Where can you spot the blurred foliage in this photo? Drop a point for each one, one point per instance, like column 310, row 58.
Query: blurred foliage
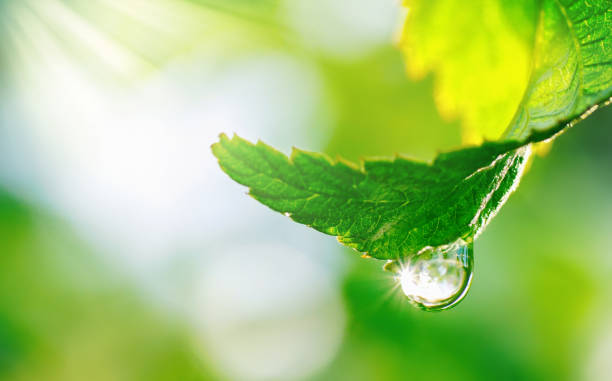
column 63, row 316
column 379, row 112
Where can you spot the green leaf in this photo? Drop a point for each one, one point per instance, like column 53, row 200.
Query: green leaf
column 481, row 56
column 572, row 66
column 385, row 208
column 392, row 208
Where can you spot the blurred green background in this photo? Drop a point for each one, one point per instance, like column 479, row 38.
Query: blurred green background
column 128, row 255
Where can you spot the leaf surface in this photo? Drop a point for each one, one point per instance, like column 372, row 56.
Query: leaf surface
column 385, row 208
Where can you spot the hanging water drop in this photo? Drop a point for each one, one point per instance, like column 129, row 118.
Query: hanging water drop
column 436, row 278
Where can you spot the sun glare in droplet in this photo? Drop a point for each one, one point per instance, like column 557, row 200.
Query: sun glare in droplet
column 429, row 280
column 437, row 278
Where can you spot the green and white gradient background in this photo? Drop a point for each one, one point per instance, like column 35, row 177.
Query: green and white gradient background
column 126, row 253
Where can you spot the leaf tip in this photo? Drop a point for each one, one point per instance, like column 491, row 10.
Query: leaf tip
column 217, row 147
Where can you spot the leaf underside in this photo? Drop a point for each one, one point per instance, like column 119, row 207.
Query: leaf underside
column 389, row 209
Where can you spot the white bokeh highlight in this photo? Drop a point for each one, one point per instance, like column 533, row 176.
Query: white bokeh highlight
column 270, row 312
column 129, row 166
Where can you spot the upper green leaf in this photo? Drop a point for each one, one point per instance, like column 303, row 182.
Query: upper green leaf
column 572, row 65
column 550, row 59
column 393, row 208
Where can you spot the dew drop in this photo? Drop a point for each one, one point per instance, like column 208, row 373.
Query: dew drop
column 436, row 278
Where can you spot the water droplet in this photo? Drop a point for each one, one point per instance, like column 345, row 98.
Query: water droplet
column 436, row 278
